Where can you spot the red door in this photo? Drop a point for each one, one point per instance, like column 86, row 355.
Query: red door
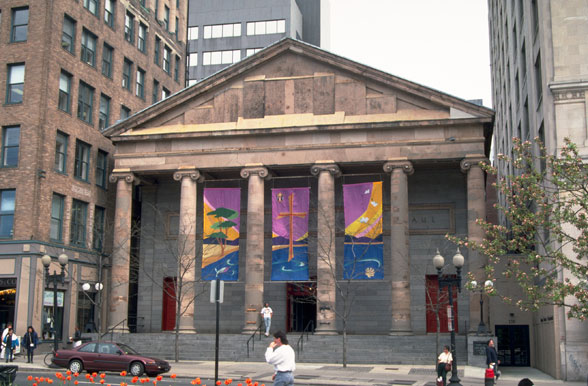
column 439, row 301
column 168, row 317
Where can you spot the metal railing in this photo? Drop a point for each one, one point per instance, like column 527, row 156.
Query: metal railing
column 252, row 339
column 111, row 329
column 309, row 329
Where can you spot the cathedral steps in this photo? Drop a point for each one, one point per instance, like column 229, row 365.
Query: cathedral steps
column 366, row 349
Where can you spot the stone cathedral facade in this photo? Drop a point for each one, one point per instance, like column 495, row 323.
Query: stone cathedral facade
column 295, row 116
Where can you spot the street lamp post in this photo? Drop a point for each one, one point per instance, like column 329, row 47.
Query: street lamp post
column 98, row 303
column 54, row 278
column 482, row 329
column 449, row 281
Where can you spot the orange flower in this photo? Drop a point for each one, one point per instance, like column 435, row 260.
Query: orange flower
column 239, row 384
column 102, row 375
column 30, row 377
column 159, row 378
column 76, row 382
column 123, row 384
column 248, row 381
column 134, row 380
column 173, row 376
column 218, row 383
column 68, row 372
column 68, row 378
column 49, row 380
column 123, row 373
column 88, row 376
column 76, row 375
column 102, row 381
column 94, row 375
column 34, row 384
column 228, row 381
column 58, row 375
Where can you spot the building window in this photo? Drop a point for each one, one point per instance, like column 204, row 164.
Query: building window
column 222, row 31
column 266, row 27
column 127, row 70
column 177, row 28
column 193, row 59
column 82, row 161
column 177, row 68
column 164, row 93
column 104, row 112
column 538, row 84
column 61, row 152
column 166, row 18
column 68, row 35
column 89, row 47
column 6, row 212
column 166, row 59
column 142, row 38
column 101, row 168
column 221, row 57
column 125, row 112
column 92, row 6
column 64, row 101
column 155, row 92
column 140, row 83
column 15, row 84
column 109, row 8
column 129, row 27
column 57, row 206
column 156, row 51
column 98, row 230
column 10, row 144
column 193, row 33
column 107, row 54
column 85, row 102
column 79, row 211
column 251, row 51
column 20, row 24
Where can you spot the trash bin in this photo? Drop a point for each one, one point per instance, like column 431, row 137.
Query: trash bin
column 7, row 374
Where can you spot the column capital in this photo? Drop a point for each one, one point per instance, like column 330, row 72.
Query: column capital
column 126, row 174
column 190, row 172
column 471, row 160
column 325, row 166
column 254, row 169
column 399, row 163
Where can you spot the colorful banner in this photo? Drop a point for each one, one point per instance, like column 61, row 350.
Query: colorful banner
column 363, row 252
column 290, row 233
column 220, row 250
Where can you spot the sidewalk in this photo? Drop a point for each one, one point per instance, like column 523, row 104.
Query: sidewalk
column 334, row 374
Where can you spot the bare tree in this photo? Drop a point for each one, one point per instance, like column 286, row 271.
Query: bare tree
column 181, row 259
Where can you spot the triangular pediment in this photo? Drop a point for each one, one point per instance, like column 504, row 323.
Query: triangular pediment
column 291, row 84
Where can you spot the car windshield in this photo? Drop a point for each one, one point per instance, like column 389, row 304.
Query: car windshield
column 127, row 350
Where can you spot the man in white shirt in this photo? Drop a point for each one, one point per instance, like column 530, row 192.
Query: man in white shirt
column 266, row 313
column 282, row 357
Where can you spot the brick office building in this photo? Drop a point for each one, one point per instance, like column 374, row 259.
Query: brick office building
column 70, row 69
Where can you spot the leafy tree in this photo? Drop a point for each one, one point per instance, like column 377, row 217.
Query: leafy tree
column 546, row 237
column 223, row 217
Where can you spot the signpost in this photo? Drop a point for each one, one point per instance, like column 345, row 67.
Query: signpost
column 217, row 289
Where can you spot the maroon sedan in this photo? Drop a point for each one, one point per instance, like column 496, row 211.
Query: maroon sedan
column 108, row 356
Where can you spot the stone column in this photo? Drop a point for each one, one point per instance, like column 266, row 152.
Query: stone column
column 186, row 253
column 476, row 193
column 119, row 291
column 254, row 245
column 326, row 291
column 399, row 168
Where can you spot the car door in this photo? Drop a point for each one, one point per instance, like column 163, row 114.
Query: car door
column 88, row 356
column 110, row 358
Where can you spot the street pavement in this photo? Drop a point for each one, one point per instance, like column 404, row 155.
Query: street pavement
column 335, row 374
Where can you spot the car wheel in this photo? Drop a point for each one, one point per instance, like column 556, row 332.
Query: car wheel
column 137, row 369
column 76, row 366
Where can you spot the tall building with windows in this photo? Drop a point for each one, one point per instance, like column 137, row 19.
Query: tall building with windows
column 69, row 69
column 539, row 52
column 221, row 33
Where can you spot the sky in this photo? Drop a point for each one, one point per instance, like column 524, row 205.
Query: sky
column 441, row 44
